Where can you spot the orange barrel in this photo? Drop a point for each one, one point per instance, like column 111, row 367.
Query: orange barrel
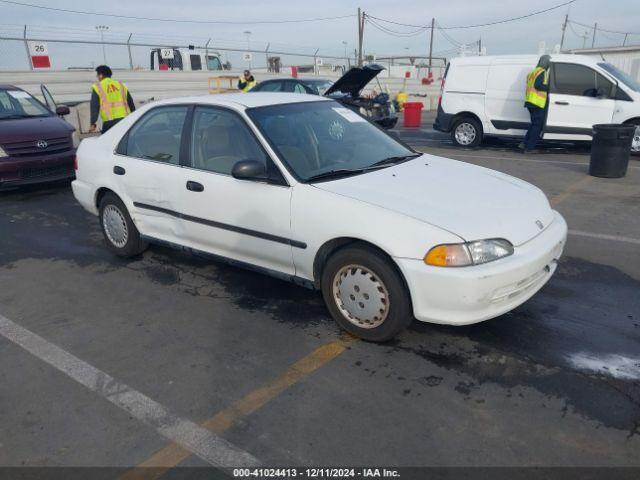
column 412, row 114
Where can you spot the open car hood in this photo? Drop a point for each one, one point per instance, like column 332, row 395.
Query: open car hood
column 352, row 82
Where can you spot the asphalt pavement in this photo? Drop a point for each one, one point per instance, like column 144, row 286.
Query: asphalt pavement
column 119, row 363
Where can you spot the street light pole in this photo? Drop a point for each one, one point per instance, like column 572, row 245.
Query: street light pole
column 248, row 34
column 102, row 29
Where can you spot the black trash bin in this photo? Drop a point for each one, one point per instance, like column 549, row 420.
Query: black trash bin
column 610, row 150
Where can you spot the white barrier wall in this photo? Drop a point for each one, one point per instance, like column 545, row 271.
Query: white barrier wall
column 75, row 86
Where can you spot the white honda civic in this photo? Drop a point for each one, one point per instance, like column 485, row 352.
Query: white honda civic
column 309, row 191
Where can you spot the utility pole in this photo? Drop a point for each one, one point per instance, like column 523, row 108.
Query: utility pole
column 360, row 35
column 480, row 46
column 595, row 29
column 129, row 50
column 564, row 30
column 433, row 24
column 624, row 42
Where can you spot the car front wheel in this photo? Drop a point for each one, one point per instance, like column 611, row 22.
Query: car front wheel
column 466, row 132
column 120, row 233
column 366, row 294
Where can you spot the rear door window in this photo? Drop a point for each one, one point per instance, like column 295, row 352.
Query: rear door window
column 158, row 135
column 579, row 80
column 196, row 62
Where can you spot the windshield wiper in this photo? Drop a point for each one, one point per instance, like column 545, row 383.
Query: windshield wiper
column 335, row 173
column 394, row 160
column 14, row 116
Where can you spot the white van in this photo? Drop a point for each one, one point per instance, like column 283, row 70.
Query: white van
column 484, row 96
column 187, row 59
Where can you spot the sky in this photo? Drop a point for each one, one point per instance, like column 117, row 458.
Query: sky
column 521, row 36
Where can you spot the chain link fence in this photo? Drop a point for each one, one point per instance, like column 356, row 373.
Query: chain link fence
column 72, row 50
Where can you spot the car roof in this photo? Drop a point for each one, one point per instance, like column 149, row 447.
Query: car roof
column 8, row 87
column 532, row 59
column 247, row 100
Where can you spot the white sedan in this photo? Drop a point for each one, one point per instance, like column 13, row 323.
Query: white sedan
column 306, row 190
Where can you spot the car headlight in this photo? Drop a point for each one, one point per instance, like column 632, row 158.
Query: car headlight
column 470, row 253
column 3, row 153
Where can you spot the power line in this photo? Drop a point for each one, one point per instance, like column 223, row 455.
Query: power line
column 496, row 22
column 174, row 20
column 590, row 27
column 447, row 37
column 391, row 32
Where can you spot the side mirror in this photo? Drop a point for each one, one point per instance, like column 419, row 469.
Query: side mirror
column 249, row 170
column 62, row 110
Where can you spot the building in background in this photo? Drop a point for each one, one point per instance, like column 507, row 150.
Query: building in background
column 626, row 58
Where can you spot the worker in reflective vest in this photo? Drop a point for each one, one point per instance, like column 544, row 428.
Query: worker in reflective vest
column 110, row 98
column 536, row 100
column 246, row 82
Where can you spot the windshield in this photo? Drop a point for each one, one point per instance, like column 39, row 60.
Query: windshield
column 316, row 138
column 19, row 104
column 320, row 85
column 620, row 75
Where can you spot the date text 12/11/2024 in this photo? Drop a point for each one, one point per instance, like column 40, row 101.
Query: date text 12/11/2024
column 315, row 473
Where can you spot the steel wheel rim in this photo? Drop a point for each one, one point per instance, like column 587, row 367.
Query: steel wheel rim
column 115, row 226
column 465, row 133
column 635, row 144
column 361, row 296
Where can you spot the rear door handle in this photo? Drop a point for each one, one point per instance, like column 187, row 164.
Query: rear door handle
column 119, row 170
column 562, row 103
column 195, row 186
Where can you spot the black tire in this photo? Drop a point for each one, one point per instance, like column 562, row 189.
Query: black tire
column 133, row 244
column 381, row 271
column 473, row 134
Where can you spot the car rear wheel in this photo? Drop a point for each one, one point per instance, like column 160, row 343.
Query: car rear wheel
column 366, row 294
column 120, row 233
column 466, row 132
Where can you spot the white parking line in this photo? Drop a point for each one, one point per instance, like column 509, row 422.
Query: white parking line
column 198, row 440
column 602, row 236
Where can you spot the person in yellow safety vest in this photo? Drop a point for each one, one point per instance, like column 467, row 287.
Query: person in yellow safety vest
column 110, row 98
column 246, row 82
column 536, row 101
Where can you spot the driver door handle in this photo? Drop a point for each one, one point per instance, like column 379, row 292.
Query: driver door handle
column 195, row 186
column 561, row 103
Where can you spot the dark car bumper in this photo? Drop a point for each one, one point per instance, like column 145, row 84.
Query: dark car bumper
column 444, row 121
column 387, row 122
column 18, row 171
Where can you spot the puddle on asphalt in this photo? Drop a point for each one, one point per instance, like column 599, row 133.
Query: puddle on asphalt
column 616, row 366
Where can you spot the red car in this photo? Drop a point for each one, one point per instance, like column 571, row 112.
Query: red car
column 35, row 143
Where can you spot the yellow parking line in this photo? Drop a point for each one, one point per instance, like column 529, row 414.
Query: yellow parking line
column 173, row 454
column 562, row 196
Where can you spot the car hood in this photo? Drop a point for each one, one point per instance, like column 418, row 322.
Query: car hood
column 37, row 128
column 352, row 82
column 471, row 202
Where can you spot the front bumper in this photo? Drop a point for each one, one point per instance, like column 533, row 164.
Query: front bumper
column 461, row 296
column 19, row 171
